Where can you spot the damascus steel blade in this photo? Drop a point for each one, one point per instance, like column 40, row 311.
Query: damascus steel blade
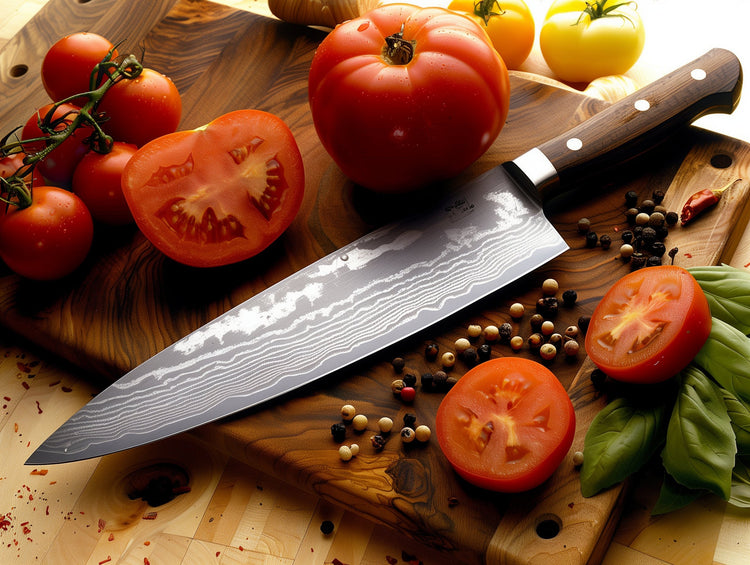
column 368, row 295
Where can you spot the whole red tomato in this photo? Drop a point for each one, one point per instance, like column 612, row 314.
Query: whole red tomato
column 67, row 66
column 141, row 109
column 218, row 194
column 97, row 181
column 57, row 167
column 48, row 239
column 404, row 96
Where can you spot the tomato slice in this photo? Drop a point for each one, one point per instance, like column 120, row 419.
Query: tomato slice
column 218, row 194
column 506, row 425
column 649, row 325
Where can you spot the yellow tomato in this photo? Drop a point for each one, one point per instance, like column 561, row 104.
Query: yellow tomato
column 581, row 41
column 509, row 24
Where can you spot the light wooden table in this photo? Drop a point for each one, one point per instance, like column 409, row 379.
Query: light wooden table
column 80, row 513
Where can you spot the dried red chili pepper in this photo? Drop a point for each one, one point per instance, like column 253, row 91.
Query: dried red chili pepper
column 702, row 200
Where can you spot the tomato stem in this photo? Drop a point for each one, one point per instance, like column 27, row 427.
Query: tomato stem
column 397, row 50
column 485, row 9
column 598, row 9
column 16, row 191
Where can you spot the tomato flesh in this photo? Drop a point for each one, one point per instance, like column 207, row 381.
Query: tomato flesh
column 506, row 425
column 218, row 194
column 649, row 325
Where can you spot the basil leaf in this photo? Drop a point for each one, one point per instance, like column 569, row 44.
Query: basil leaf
column 622, row 437
column 725, row 356
column 673, row 496
column 727, row 290
column 740, row 493
column 700, row 448
column 739, row 415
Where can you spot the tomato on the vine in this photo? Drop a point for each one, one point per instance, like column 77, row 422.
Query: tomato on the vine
column 97, row 181
column 405, row 96
column 141, row 109
column 649, row 325
column 509, row 23
column 67, row 66
column 48, row 239
column 506, row 425
column 57, row 167
column 218, row 194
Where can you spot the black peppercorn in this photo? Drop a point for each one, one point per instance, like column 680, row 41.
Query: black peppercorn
column 627, row 236
column 591, row 239
column 605, row 241
column 658, row 196
column 653, row 261
column 326, row 527
column 338, row 431
column 569, row 297
column 637, row 260
column 505, row 332
column 378, row 442
column 427, row 380
column 583, row 323
column 658, row 249
column 630, row 215
column 484, row 352
column 431, row 351
column 398, row 364
column 410, row 380
column 547, row 306
column 647, row 206
column 438, row 380
column 409, row 420
column 631, row 198
column 649, row 235
column 671, row 218
column 470, row 356
column 537, row 319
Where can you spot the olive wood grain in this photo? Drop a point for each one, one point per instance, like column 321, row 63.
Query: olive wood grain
column 128, row 301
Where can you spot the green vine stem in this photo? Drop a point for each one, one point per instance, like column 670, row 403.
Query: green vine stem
column 485, row 9
column 15, row 190
column 598, row 9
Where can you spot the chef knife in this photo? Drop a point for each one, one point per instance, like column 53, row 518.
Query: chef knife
column 387, row 285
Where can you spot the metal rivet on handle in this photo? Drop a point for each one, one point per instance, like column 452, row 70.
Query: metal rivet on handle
column 574, row 144
column 642, row 105
column 698, row 74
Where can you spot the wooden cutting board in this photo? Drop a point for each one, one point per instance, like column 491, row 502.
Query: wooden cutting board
column 128, row 301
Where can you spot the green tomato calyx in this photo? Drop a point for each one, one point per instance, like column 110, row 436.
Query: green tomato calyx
column 485, row 9
column 599, row 9
column 397, row 50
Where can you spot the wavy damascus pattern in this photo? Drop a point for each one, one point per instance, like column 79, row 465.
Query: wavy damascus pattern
column 368, row 295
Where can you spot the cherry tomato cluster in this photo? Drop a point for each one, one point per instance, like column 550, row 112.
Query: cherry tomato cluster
column 62, row 172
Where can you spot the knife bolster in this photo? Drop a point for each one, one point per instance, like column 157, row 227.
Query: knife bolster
column 532, row 171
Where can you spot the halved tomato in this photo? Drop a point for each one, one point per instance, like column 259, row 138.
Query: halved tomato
column 649, row 325
column 506, row 425
column 218, row 194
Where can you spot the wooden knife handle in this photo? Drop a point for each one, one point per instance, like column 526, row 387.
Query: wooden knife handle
column 710, row 84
